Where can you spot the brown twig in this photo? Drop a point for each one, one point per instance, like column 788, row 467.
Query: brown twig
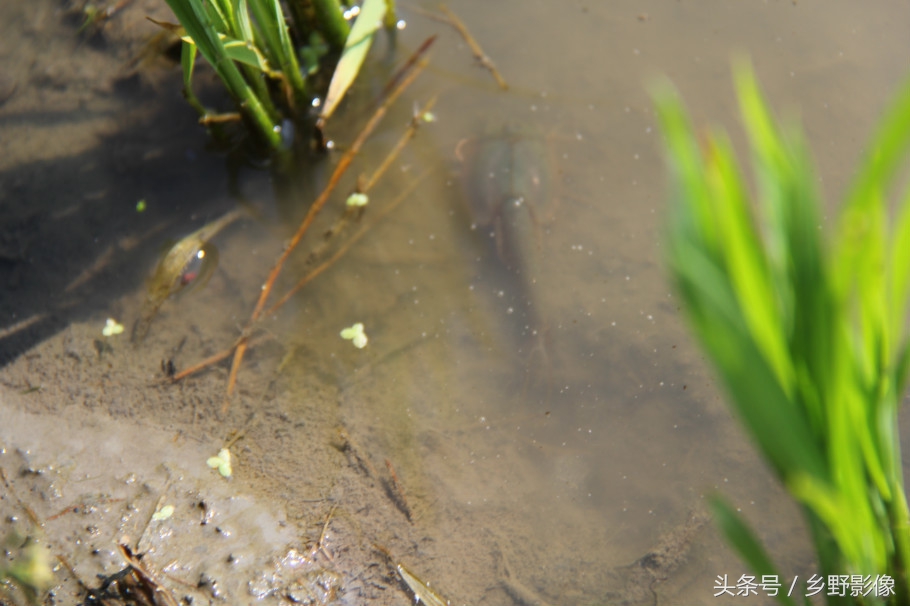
column 345, row 247
column 320, row 547
column 349, row 446
column 396, row 150
column 77, row 507
column 397, row 491
column 218, row 357
column 239, row 435
column 352, row 214
column 340, row 169
column 220, row 118
column 149, row 579
column 11, row 491
column 239, row 352
column 481, row 56
column 221, row 355
column 407, row 65
column 452, row 19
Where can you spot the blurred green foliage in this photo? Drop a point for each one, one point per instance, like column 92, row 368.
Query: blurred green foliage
column 805, row 324
column 26, row 569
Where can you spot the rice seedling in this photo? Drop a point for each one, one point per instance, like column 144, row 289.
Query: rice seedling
column 265, row 64
column 805, row 325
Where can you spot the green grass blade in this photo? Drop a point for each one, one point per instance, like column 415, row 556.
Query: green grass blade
column 391, row 17
column 899, row 265
column 746, row 544
column 331, row 22
column 188, row 63
column 221, row 14
column 846, row 513
column 199, row 27
column 249, row 55
column 276, row 41
column 859, row 244
column 888, row 147
column 806, row 348
column 244, row 29
column 290, row 64
column 715, row 254
column 355, row 51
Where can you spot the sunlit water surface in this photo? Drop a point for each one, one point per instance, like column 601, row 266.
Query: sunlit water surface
column 541, row 465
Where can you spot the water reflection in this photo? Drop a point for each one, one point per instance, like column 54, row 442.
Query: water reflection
column 571, row 477
column 598, row 464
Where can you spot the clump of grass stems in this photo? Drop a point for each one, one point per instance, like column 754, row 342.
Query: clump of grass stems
column 804, row 324
column 264, row 63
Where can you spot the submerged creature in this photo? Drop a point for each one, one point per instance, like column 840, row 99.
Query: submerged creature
column 188, row 261
column 506, row 182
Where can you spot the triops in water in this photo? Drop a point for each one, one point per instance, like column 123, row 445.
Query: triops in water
column 183, row 264
column 506, row 180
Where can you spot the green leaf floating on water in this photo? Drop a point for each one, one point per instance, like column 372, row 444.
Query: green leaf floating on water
column 221, row 462
column 355, row 51
column 355, row 335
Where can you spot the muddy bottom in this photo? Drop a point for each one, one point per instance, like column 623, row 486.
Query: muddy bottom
column 310, row 512
column 453, row 459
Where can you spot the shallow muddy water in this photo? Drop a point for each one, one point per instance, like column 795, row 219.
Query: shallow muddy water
column 568, row 466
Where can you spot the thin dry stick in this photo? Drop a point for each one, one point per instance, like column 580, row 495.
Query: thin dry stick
column 147, row 576
column 346, row 246
column 78, row 506
column 221, row 355
column 351, row 213
column 398, row 491
column 320, row 544
column 396, row 150
column 362, row 460
column 377, row 174
column 28, row 510
column 407, row 65
column 343, row 164
column 481, row 57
